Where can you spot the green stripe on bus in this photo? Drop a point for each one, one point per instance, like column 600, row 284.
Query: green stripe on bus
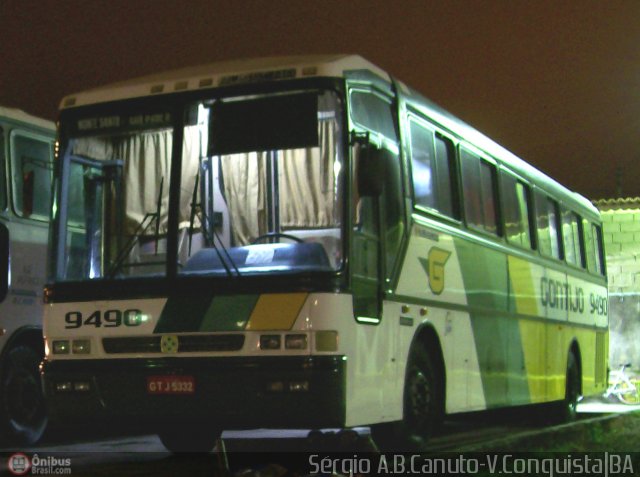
column 182, row 314
column 497, row 335
column 229, row 313
column 501, row 360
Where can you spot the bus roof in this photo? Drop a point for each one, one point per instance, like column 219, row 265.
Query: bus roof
column 224, row 73
column 20, row 116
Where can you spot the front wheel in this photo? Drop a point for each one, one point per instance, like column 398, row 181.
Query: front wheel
column 423, row 407
column 23, row 416
column 187, row 439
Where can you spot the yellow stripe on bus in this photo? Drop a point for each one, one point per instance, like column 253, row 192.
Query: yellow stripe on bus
column 521, row 276
column 277, row 311
column 532, row 333
column 533, row 336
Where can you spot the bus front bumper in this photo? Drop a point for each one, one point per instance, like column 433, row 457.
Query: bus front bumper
column 232, row 393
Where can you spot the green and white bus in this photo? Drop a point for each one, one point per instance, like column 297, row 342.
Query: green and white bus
column 305, row 242
column 26, row 163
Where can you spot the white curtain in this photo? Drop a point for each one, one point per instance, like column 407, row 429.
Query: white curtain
column 147, row 164
column 245, row 190
column 147, row 161
column 306, row 184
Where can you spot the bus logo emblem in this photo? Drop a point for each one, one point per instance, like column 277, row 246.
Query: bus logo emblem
column 434, row 266
column 169, row 344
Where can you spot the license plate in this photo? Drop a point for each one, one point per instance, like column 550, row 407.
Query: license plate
column 171, row 385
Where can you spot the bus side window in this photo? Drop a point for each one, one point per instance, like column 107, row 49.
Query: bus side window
column 3, row 168
column 547, row 225
column 589, row 249
column 479, row 192
column 599, row 249
column 31, row 175
column 423, row 166
column 571, row 238
column 374, row 113
column 448, row 196
column 593, row 246
column 515, row 202
column 4, row 261
column 432, row 169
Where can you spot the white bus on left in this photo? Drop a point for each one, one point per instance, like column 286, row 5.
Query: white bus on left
column 26, row 152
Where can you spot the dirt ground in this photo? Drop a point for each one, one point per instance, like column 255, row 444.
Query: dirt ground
column 606, row 433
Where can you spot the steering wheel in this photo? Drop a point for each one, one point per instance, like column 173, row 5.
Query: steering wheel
column 276, row 235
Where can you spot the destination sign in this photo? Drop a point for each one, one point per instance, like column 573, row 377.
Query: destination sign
column 119, row 122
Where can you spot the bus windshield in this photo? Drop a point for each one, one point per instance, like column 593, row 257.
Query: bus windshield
column 260, row 189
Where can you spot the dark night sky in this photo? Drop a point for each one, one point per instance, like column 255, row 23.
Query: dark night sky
column 555, row 81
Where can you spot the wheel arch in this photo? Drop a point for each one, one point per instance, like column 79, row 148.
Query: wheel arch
column 30, row 336
column 426, row 336
column 574, row 349
column 25, row 423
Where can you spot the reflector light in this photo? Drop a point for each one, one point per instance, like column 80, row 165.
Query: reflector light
column 298, row 386
column 81, row 386
column 63, row 387
column 275, row 386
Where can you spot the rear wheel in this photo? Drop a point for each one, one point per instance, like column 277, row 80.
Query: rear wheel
column 423, row 407
column 189, row 438
column 567, row 408
column 23, row 416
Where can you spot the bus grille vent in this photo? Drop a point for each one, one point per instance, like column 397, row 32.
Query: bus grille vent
column 186, row 344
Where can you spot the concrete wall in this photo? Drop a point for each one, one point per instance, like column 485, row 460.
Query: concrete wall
column 621, row 233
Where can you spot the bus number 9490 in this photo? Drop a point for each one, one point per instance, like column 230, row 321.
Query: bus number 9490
column 108, row 319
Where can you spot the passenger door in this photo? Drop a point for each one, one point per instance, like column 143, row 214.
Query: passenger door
column 377, row 219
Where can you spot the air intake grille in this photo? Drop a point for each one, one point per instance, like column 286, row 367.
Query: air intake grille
column 186, row 344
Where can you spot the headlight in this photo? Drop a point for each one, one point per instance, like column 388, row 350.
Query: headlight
column 81, row 347
column 326, row 340
column 270, row 342
column 295, row 342
column 61, row 347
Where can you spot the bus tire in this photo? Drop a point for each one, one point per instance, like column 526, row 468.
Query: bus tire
column 189, row 438
column 423, row 407
column 23, row 416
column 567, row 408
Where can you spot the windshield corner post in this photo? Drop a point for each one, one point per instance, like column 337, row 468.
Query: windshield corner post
column 174, row 193
column 61, row 216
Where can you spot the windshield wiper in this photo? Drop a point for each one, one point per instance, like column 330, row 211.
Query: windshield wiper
column 140, row 230
column 209, row 231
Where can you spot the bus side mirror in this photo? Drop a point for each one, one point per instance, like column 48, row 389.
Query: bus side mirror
column 370, row 170
column 4, row 261
column 28, row 180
